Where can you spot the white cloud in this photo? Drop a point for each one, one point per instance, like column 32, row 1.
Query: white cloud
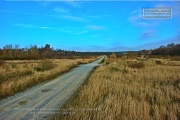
column 73, row 3
column 18, row 12
column 161, row 5
column 43, row 3
column 95, row 27
column 143, row 24
column 69, row 29
column 73, row 18
column 175, row 8
column 45, row 27
column 35, row 14
column 65, row 31
column 92, row 16
column 137, row 19
column 25, row 25
column 97, row 35
column 82, row 32
column 68, row 17
column 61, row 10
column 148, row 34
column 34, row 26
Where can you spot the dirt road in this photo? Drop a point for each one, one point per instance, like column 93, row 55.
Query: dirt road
column 42, row 100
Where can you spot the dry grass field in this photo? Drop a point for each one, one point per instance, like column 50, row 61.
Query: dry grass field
column 127, row 90
column 19, row 75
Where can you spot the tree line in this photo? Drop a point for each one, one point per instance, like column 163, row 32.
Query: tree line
column 10, row 52
column 171, row 49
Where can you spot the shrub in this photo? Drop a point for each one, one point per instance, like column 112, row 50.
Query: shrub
column 175, row 58
column 45, row 65
column 136, row 65
column 27, row 72
column 2, row 62
column 158, row 62
column 141, row 59
column 115, row 69
column 102, row 61
column 1, row 77
column 14, row 65
column 113, row 56
column 124, row 70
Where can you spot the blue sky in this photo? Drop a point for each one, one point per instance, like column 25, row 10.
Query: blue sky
column 87, row 25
